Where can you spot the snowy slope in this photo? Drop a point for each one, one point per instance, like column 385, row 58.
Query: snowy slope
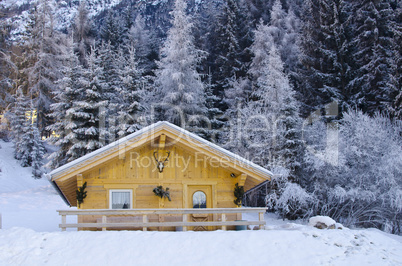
column 25, row 201
column 30, row 236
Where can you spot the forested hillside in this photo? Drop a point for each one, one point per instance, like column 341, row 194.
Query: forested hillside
column 308, row 89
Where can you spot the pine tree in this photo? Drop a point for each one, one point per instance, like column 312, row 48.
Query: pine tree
column 18, row 121
column 130, row 116
column 38, row 152
column 8, row 69
column 70, row 89
column 29, row 149
column 263, row 40
column 396, row 107
column 213, row 124
column 143, row 42
column 180, row 91
column 276, row 109
column 112, row 31
column 233, row 37
column 90, row 112
column 82, row 32
column 283, row 31
column 325, row 71
column 110, row 80
column 373, row 86
column 289, row 149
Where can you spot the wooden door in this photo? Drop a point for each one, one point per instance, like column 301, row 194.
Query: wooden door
column 200, row 196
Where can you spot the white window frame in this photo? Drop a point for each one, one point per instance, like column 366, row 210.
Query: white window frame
column 120, row 190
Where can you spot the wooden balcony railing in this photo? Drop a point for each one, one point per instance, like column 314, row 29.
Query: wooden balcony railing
column 140, row 218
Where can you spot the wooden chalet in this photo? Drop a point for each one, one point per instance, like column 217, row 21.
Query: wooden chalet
column 195, row 180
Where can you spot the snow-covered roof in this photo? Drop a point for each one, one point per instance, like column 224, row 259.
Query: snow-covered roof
column 180, row 132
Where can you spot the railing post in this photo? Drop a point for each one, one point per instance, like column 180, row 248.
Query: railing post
column 184, row 221
column 104, row 220
column 63, row 222
column 224, row 220
column 144, row 220
column 261, row 219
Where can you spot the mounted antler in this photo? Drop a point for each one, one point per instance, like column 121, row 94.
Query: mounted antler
column 159, row 164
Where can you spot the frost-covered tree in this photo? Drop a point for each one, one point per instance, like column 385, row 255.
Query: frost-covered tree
column 70, row 89
column 283, row 32
column 233, row 37
column 267, row 125
column 275, row 99
column 40, row 62
column 373, row 86
column 364, row 187
column 111, row 31
column 143, row 42
column 260, row 48
column 84, row 107
column 8, row 69
column 29, row 149
column 289, row 148
column 214, row 122
column 130, row 115
column 109, row 79
column 324, row 43
column 179, row 90
column 82, row 32
column 18, row 118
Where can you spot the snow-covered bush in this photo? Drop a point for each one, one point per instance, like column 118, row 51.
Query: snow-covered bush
column 365, row 187
column 290, row 200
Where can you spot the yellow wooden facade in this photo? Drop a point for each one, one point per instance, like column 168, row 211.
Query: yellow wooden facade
column 129, row 164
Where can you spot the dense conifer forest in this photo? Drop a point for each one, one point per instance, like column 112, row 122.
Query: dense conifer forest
column 311, row 90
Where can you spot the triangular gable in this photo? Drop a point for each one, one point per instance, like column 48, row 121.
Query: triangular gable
column 68, row 172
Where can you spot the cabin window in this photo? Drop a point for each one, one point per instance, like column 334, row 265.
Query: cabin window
column 199, row 200
column 120, row 199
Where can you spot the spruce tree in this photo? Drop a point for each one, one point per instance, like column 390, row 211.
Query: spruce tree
column 179, row 90
column 289, row 150
column 277, row 140
column 89, row 111
column 233, row 37
column 374, row 84
column 82, row 32
column 80, row 110
column 213, row 124
column 29, row 149
column 130, row 116
column 396, row 107
column 110, row 81
column 70, row 89
column 112, row 31
column 143, row 42
column 325, row 72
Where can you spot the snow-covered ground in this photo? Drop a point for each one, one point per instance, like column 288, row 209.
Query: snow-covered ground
column 30, row 236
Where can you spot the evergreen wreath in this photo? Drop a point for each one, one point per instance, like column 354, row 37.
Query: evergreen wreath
column 238, row 193
column 162, row 193
column 81, row 194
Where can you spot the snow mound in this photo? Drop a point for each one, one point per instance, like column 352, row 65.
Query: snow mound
column 323, row 222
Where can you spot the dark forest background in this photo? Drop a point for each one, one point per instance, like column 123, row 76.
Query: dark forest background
column 311, row 90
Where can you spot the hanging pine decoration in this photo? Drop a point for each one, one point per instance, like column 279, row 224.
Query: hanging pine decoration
column 81, row 194
column 238, row 193
column 160, row 192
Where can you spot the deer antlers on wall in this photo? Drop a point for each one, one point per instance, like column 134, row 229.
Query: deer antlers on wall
column 159, row 163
